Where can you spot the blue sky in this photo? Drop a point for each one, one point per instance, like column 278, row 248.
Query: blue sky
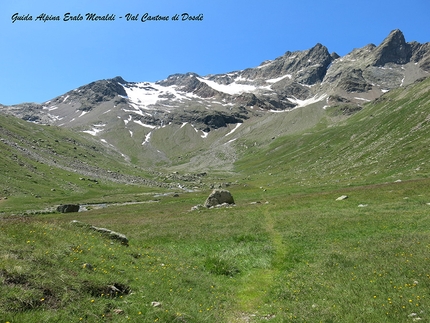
column 42, row 60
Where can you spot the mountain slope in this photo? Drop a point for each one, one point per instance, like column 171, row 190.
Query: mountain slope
column 48, row 165
column 387, row 140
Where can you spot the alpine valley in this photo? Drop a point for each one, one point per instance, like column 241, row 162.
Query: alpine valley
column 193, row 122
column 326, row 158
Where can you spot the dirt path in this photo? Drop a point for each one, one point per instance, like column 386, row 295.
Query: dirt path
column 256, row 285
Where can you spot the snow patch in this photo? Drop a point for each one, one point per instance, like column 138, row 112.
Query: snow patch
column 83, row 113
column 278, row 111
column 54, row 117
column 264, row 64
column 230, row 141
column 302, row 103
column 279, row 78
column 232, row 88
column 92, row 132
column 128, row 120
column 363, row 99
column 234, row 129
column 307, row 85
column 205, row 134
column 144, row 124
column 96, row 129
column 139, row 112
column 50, row 108
column 147, row 137
column 143, row 95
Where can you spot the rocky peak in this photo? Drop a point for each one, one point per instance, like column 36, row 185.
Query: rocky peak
column 179, row 79
column 393, row 49
column 95, row 93
column 312, row 67
column 119, row 79
column 334, row 55
column 318, row 52
column 306, row 67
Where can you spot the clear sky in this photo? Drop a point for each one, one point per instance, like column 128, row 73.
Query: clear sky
column 42, row 60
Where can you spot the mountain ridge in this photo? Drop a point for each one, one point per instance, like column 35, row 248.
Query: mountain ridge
column 207, row 110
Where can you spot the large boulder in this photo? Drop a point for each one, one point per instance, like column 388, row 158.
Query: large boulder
column 68, row 208
column 219, row 197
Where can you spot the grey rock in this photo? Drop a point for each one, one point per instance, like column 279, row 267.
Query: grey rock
column 68, row 208
column 197, row 207
column 101, row 230
column 120, row 237
column 341, row 198
column 425, row 63
column 353, row 81
column 217, row 197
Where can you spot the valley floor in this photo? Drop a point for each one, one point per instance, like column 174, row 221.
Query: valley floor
column 279, row 255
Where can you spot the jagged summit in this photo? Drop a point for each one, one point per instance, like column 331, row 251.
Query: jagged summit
column 393, row 49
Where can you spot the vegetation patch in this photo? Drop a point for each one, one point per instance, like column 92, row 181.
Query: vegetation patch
column 220, row 266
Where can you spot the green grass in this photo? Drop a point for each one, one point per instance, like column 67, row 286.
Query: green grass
column 303, row 257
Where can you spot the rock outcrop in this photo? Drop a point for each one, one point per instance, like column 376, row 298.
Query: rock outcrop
column 106, row 232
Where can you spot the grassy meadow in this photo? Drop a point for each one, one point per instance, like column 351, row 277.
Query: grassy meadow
column 290, row 257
